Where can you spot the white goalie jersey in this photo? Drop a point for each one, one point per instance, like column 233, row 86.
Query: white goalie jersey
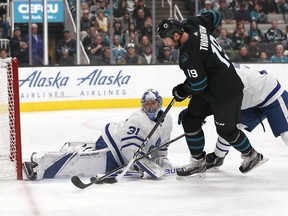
column 125, row 138
column 255, row 95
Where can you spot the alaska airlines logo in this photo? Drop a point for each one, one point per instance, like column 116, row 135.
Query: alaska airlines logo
column 96, row 78
column 37, row 80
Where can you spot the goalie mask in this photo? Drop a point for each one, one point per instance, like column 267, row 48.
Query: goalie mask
column 151, row 103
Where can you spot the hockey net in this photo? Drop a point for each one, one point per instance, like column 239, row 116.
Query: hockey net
column 10, row 138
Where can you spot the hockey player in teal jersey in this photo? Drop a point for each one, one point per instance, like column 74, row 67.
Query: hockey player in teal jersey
column 214, row 88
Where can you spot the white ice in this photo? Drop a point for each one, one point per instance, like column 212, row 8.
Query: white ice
column 226, row 192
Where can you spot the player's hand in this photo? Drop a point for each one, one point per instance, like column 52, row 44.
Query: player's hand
column 179, row 93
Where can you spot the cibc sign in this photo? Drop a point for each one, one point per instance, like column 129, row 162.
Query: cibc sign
column 55, row 11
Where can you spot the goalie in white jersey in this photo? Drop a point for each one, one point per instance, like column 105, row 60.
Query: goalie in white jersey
column 264, row 97
column 116, row 147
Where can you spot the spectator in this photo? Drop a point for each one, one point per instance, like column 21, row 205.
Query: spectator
column 234, row 6
column 240, row 38
column 102, row 6
column 274, row 33
column 118, row 51
column 131, row 5
column 4, row 28
column 242, row 14
column 144, row 42
column 254, row 51
column 258, row 15
column 263, row 57
column 207, row 7
column 282, row 6
column 167, row 57
column 226, row 13
column 85, row 23
column 225, row 42
column 254, row 32
column 269, row 7
column 37, row 45
column 141, row 5
column 279, row 56
column 117, row 29
column 66, row 49
column 19, row 48
column 101, row 24
column 131, row 57
column 285, row 42
column 139, row 20
column 106, row 57
column 93, row 45
column 122, row 7
column 147, row 55
column 126, row 20
column 3, row 53
column 131, row 35
column 147, row 30
column 243, row 55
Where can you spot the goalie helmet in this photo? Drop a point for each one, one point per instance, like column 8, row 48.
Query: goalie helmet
column 151, row 110
column 168, row 27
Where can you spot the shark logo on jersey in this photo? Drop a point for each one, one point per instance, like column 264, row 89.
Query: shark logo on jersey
column 184, row 57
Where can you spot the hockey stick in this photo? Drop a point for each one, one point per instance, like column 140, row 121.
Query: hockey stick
column 107, row 177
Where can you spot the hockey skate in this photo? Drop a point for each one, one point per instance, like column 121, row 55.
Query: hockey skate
column 251, row 160
column 213, row 162
column 28, row 168
column 196, row 168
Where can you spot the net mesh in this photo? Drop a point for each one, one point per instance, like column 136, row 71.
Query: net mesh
column 8, row 160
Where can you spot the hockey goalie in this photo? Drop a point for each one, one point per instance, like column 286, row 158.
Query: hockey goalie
column 115, row 147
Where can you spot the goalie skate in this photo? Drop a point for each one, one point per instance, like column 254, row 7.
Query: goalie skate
column 28, row 168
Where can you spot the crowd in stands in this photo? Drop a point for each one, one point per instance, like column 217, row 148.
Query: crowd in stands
column 132, row 33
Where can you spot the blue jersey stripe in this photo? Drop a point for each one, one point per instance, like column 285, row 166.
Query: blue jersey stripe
column 272, row 93
column 51, row 171
column 113, row 144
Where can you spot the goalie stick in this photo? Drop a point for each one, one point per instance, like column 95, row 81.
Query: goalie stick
column 107, row 177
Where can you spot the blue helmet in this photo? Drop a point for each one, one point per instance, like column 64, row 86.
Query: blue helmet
column 151, row 95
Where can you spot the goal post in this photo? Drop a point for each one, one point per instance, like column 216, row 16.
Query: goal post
column 10, row 135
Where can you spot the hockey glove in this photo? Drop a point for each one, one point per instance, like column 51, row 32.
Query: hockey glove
column 179, row 93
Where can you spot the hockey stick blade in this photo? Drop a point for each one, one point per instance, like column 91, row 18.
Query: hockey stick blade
column 110, row 180
column 78, row 183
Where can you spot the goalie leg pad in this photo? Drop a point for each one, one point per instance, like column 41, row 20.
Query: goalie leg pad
column 151, row 168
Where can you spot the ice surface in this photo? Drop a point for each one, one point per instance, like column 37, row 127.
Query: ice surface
column 226, row 192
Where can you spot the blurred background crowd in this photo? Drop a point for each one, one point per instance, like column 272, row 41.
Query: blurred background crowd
column 251, row 31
